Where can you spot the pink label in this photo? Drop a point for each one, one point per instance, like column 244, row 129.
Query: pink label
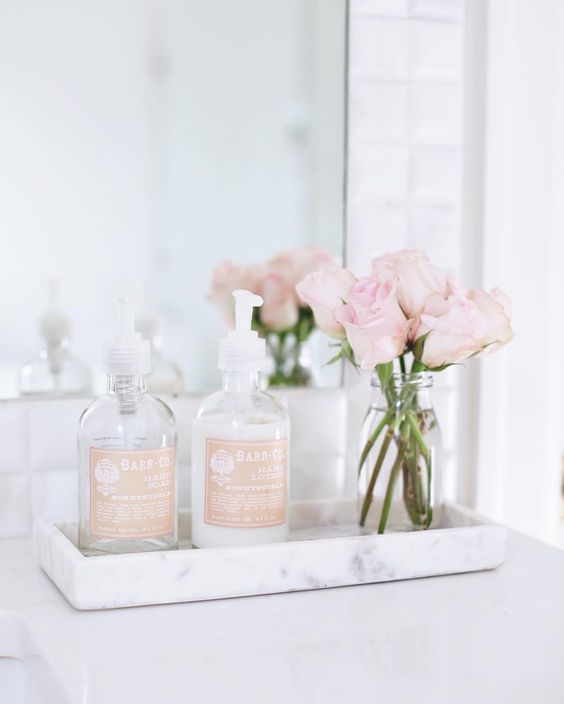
column 131, row 493
column 246, row 483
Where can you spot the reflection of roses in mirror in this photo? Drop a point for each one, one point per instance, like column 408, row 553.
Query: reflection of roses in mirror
column 107, row 473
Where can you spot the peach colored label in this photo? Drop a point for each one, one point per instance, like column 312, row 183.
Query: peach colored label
column 246, row 483
column 131, row 492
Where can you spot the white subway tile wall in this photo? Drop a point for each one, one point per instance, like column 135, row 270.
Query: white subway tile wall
column 405, row 129
column 406, row 92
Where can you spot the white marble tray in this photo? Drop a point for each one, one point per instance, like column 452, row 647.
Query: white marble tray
column 325, row 550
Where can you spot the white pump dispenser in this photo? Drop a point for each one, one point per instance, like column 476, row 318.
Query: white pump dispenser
column 240, row 447
column 54, row 371
column 128, row 353
column 243, row 350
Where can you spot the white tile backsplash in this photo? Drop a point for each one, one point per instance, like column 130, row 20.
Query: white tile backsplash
column 53, row 426
column 15, row 505
column 378, row 110
column 378, row 228
column 446, row 10
column 378, row 47
column 184, row 408
column 435, row 229
column 380, row 172
column 318, row 422
column 54, row 494
column 386, row 8
column 13, row 437
column 317, row 477
column 435, row 175
column 435, row 112
column 436, row 50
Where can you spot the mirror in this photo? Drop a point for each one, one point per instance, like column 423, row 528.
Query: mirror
column 145, row 143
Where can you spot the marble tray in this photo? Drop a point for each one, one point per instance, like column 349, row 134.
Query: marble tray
column 325, row 549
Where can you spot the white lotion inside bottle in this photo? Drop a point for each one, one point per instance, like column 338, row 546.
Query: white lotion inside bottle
column 240, row 448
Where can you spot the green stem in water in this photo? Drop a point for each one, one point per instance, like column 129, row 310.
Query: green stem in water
column 372, row 439
column 375, row 472
column 390, row 489
column 428, row 462
column 411, row 461
column 402, row 364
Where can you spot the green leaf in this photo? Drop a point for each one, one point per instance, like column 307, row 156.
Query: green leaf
column 334, row 359
column 418, row 366
column 385, row 372
column 418, row 347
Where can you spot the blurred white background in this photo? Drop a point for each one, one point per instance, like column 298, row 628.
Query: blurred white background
column 144, row 141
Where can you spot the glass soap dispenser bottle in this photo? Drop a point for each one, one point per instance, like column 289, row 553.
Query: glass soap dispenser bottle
column 54, row 372
column 240, row 446
column 126, row 443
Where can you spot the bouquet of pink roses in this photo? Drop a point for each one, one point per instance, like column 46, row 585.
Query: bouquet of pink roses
column 404, row 320
column 284, row 320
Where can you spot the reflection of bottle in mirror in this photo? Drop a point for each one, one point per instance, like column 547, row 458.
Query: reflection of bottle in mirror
column 240, row 447
column 127, row 443
column 54, row 372
column 166, row 376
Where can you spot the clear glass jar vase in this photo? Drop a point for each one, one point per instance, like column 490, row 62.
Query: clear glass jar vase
column 400, row 463
column 289, row 360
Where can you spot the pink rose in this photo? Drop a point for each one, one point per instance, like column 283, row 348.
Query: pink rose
column 463, row 325
column 495, row 306
column 417, row 278
column 375, row 325
column 324, row 291
column 296, row 264
column 309, row 259
column 279, row 310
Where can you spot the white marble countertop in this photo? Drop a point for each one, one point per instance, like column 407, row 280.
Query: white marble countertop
column 484, row 637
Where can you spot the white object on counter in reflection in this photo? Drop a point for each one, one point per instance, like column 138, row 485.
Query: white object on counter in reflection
column 54, row 372
column 240, row 446
column 127, row 445
column 166, row 376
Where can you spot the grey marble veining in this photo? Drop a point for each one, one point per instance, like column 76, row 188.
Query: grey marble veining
column 325, row 550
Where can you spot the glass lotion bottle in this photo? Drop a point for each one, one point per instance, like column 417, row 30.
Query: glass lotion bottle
column 240, row 446
column 126, row 443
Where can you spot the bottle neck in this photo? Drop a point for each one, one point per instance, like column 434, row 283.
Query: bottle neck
column 128, row 388
column 400, row 396
column 241, row 381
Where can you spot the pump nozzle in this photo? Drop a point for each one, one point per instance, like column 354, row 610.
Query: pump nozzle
column 242, row 349
column 245, row 301
column 54, row 325
column 126, row 317
column 128, row 353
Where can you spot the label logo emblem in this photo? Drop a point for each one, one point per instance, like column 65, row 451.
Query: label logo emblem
column 107, row 473
column 222, row 465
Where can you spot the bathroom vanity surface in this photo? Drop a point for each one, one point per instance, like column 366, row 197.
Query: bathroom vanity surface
column 484, row 637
